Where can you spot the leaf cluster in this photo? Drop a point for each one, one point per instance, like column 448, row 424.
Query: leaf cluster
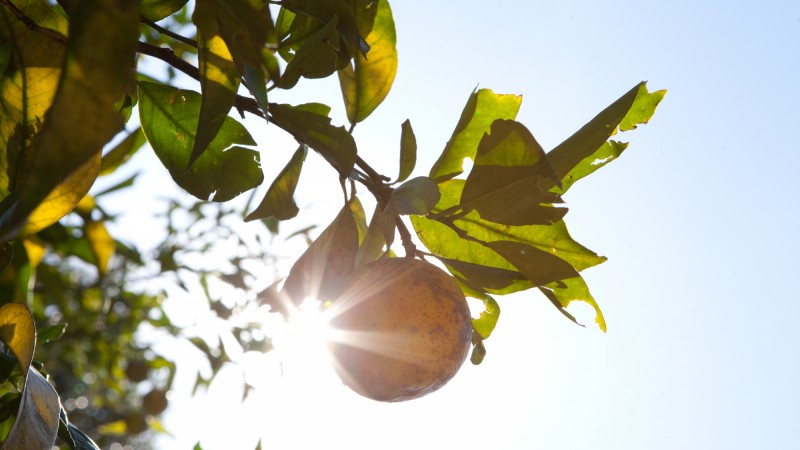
column 68, row 87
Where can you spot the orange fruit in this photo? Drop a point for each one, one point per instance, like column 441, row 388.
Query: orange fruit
column 400, row 330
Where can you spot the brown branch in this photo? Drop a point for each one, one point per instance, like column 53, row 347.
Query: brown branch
column 166, row 32
column 32, row 25
column 405, row 238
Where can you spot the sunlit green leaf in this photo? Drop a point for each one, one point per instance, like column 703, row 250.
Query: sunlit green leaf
column 279, row 200
column 314, row 129
column 323, row 268
column 224, row 170
column 219, row 76
column 485, row 323
column 122, row 152
column 101, row 242
column 378, row 239
column 416, row 196
column 156, row 10
column 101, row 50
column 51, row 333
column 408, row 151
column 508, row 183
column 570, row 290
column 483, row 108
column 587, row 150
column 366, row 82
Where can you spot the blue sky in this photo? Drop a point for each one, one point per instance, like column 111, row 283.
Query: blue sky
column 699, row 220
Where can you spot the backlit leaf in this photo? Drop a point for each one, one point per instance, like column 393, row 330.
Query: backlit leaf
column 483, row 108
column 316, row 58
column 279, row 200
column 122, row 152
column 219, row 76
column 416, row 196
column 326, row 11
column 323, row 268
column 378, row 238
column 485, row 323
column 570, row 290
column 480, row 278
column 587, row 147
column 408, row 151
column 537, row 265
column 101, row 242
column 366, row 82
column 37, row 420
column 224, row 170
column 314, row 129
column 509, row 181
column 101, row 50
column 156, row 10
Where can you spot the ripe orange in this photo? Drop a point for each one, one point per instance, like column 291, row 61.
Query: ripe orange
column 401, row 330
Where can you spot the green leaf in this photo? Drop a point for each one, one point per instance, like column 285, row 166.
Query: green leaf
column 122, row 152
column 225, row 170
column 478, row 353
column 508, row 183
column 314, row 129
column 326, row 11
column 316, row 58
column 378, row 238
column 607, row 152
column 51, row 333
column 478, row 278
column 38, row 415
column 366, row 82
column 569, row 290
column 586, row 147
column 416, row 196
column 408, row 151
column 322, row 270
column 156, row 10
column 483, row 108
column 219, row 76
column 100, row 50
column 279, row 200
column 485, row 323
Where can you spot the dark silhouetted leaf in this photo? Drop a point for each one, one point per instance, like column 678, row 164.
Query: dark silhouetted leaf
column 480, row 278
column 224, row 170
column 219, row 76
column 328, row 10
column 6, row 255
column 408, row 151
column 316, row 58
column 366, row 82
column 323, row 268
column 122, row 152
column 416, row 196
column 509, row 181
column 478, row 353
column 156, row 10
column 537, row 265
column 101, row 50
column 483, row 108
column 635, row 107
column 279, row 200
column 314, row 129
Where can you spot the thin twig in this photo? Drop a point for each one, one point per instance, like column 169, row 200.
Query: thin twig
column 166, row 32
column 405, row 238
column 32, row 25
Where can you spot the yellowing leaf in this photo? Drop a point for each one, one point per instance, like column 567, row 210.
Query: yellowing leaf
column 101, row 48
column 64, row 198
column 219, row 76
column 156, row 10
column 36, row 425
column 101, row 243
column 368, row 80
column 35, row 249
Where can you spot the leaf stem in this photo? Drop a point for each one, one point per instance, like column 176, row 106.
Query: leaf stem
column 32, row 25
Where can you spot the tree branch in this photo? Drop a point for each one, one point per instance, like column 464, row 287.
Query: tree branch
column 32, row 25
column 166, row 32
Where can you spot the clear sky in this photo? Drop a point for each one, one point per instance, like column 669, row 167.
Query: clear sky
column 699, row 219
